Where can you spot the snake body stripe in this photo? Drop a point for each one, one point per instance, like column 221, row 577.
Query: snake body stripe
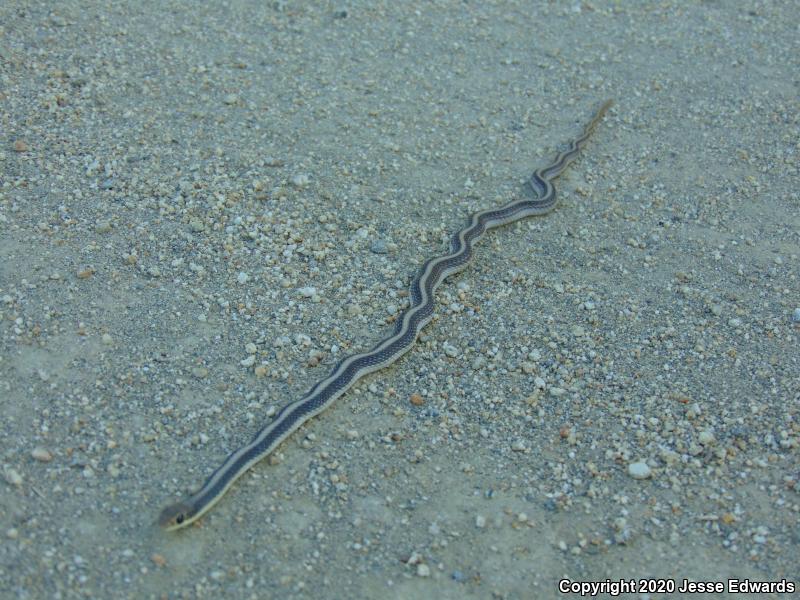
column 354, row 367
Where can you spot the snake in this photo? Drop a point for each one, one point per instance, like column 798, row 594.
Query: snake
column 416, row 316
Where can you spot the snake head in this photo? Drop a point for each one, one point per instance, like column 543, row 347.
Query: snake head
column 175, row 516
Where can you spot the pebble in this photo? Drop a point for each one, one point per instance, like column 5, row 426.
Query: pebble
column 639, row 470
column 249, row 361
column 102, row 226
column 13, row 477
column 417, row 400
column 107, row 339
column 41, row 454
column 158, row 560
column 300, row 181
column 230, row 99
column 271, row 161
column 451, row 350
column 796, row 315
column 20, row 146
column 242, row 278
column 378, row 247
column 480, row 521
column 423, row 570
column 518, row 446
column 706, row 437
column 307, row 292
column 478, row 363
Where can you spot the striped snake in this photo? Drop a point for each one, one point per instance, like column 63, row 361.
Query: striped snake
column 352, row 368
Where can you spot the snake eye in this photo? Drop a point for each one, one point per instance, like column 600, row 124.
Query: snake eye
column 179, row 519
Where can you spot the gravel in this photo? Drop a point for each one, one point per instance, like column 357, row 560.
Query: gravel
column 203, row 208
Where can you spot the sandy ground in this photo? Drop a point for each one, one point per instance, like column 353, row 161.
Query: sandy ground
column 202, row 208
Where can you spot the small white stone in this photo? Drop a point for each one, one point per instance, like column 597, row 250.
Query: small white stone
column 242, row 277
column 423, row 570
column 639, row 470
column 41, row 454
column 450, row 350
column 706, row 437
column 480, row 521
column 300, row 181
column 518, row 446
column 13, row 477
column 248, row 362
column 308, row 291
